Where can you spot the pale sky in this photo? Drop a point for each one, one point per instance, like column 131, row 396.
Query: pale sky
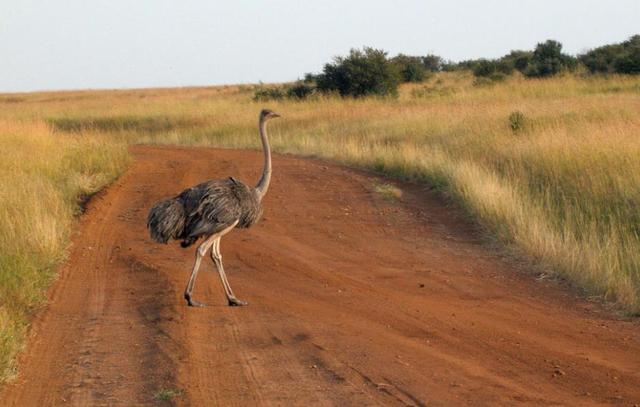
column 79, row 44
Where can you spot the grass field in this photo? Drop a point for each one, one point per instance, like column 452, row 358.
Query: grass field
column 558, row 183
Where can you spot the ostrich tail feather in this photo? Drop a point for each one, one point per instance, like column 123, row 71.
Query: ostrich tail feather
column 166, row 220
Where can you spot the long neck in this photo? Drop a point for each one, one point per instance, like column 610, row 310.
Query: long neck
column 263, row 184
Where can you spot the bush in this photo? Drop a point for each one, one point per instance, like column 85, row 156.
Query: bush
column 449, row 66
column 601, row 60
column 615, row 58
column 618, row 58
column 432, row 63
column 362, row 73
column 629, row 64
column 484, row 68
column 493, row 69
column 300, row 90
column 469, row 64
column 413, row 73
column 310, row 78
column 548, row 60
column 516, row 121
column 519, row 60
column 263, row 94
column 411, row 68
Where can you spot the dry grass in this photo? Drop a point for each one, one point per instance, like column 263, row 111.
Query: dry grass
column 388, row 191
column 43, row 176
column 563, row 189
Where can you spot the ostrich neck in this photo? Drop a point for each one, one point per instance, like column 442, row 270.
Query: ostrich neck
column 263, row 184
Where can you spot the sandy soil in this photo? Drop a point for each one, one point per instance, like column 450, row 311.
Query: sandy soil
column 354, row 300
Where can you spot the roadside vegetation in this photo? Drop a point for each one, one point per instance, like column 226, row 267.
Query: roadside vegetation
column 548, row 164
column 44, row 177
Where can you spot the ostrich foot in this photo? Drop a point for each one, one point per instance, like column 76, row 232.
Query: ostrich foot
column 234, row 302
column 193, row 303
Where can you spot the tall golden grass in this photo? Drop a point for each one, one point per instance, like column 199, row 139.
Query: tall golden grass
column 563, row 189
column 43, row 176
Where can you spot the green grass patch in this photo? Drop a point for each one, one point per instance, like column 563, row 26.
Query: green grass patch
column 167, row 394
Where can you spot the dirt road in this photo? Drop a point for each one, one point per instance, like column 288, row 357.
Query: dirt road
column 354, row 300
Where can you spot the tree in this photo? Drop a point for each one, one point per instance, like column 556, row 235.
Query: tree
column 487, row 68
column 432, row 63
column 484, row 68
column 518, row 59
column 614, row 58
column 629, row 63
column 410, row 68
column 548, row 60
column 300, row 90
column 363, row 72
column 601, row 59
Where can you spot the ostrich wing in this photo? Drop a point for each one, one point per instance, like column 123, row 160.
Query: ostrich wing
column 214, row 205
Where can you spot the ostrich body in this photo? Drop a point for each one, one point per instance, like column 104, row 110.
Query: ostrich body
column 211, row 210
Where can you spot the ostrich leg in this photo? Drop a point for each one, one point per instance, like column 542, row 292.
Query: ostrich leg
column 217, row 259
column 201, row 251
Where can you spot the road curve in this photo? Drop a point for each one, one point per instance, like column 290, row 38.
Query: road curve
column 354, row 300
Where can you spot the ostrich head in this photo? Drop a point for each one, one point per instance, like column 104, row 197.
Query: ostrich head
column 267, row 114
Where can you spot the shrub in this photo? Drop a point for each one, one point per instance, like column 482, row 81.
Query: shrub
column 484, row 68
column 629, row 63
column 518, row 59
column 300, row 90
column 614, row 58
column 413, row 73
column 504, row 67
column 432, row 63
column 310, row 78
column 410, row 68
column 548, row 60
column 516, row 121
column 263, row 94
column 493, row 69
column 601, row 60
column 469, row 64
column 362, row 73
column 449, row 66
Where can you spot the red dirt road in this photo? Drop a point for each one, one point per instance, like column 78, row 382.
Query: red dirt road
column 354, row 300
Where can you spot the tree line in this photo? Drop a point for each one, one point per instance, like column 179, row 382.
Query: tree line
column 369, row 71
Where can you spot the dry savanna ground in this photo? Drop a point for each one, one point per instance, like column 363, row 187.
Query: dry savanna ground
column 557, row 184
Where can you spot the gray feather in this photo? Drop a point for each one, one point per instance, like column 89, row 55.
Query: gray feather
column 203, row 210
column 166, row 220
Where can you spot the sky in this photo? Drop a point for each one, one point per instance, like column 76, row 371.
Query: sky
column 96, row 44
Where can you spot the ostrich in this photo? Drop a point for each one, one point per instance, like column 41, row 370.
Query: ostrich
column 211, row 210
